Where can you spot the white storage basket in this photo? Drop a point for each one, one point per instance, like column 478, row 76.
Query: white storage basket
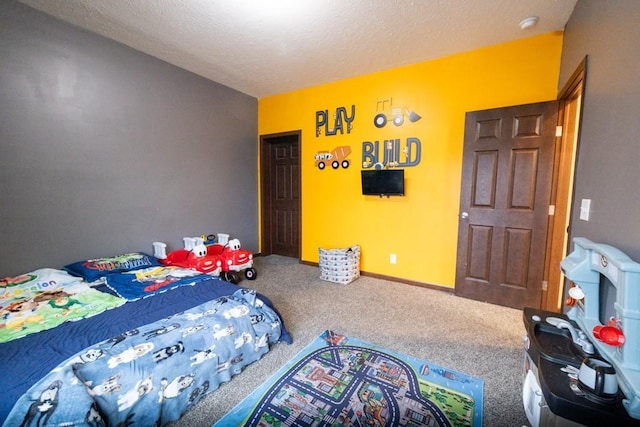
column 339, row 265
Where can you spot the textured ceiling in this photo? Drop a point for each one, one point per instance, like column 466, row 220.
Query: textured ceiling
column 267, row 47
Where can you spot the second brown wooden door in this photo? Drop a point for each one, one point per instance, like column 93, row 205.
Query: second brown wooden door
column 504, row 204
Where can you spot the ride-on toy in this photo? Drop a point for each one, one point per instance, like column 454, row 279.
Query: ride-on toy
column 221, row 259
column 194, row 255
column 234, row 259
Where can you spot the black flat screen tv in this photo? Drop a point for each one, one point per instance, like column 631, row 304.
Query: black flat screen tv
column 383, row 182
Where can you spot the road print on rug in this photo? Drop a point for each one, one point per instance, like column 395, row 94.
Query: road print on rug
column 342, row 381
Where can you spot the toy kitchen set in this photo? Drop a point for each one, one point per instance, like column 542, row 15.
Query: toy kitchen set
column 583, row 368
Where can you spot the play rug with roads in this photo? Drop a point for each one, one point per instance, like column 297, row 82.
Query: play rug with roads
column 342, row 381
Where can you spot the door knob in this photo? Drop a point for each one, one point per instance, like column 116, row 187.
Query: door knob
column 464, row 215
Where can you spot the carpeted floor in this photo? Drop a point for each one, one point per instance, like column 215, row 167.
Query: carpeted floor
column 476, row 338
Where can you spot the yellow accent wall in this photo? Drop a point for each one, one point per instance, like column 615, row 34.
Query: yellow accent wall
column 421, row 228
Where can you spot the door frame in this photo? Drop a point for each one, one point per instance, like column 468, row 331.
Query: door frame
column 264, row 198
column 571, row 99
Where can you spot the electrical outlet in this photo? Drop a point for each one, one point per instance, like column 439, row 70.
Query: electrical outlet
column 393, row 259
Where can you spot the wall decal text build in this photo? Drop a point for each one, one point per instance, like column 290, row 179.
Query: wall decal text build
column 391, row 153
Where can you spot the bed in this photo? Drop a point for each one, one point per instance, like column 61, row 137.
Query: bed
column 139, row 358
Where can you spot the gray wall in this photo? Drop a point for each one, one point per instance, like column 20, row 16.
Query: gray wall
column 608, row 165
column 104, row 149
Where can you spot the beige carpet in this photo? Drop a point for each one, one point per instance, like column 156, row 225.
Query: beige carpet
column 476, row 338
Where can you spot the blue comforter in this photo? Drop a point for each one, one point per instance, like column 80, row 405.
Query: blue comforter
column 123, row 369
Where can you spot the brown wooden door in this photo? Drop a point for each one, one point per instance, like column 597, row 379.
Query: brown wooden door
column 281, row 194
column 504, row 203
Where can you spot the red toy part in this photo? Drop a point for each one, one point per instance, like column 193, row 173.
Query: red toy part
column 196, row 259
column 233, row 258
column 609, row 334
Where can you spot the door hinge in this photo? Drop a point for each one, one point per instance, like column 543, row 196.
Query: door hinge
column 545, row 285
column 558, row 131
column 552, row 210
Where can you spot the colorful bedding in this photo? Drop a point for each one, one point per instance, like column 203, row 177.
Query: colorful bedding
column 152, row 374
column 36, row 304
column 28, row 284
column 93, row 269
column 137, row 284
column 55, row 373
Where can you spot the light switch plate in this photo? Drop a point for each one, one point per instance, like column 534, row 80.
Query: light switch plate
column 585, row 209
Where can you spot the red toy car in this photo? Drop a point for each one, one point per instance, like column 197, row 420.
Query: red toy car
column 196, row 258
column 233, row 258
